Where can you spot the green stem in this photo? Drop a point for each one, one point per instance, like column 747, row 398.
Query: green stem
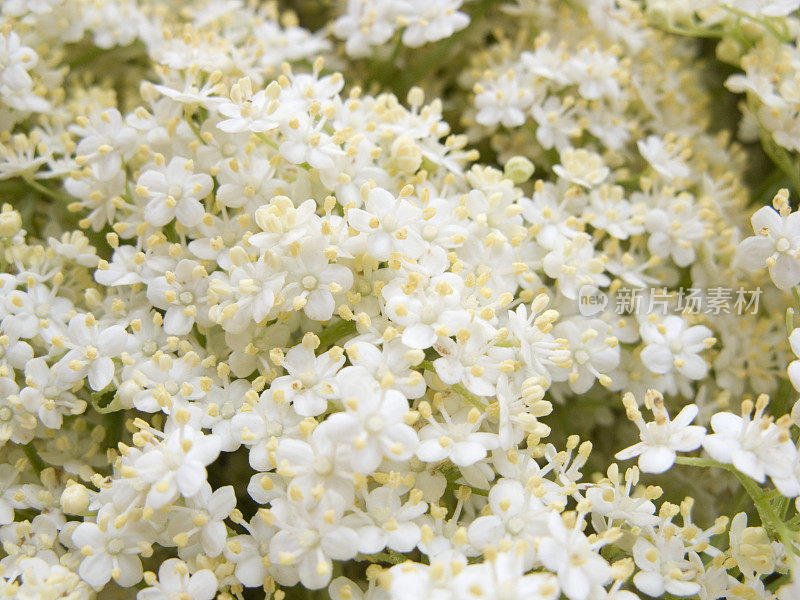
column 334, row 332
column 390, row 556
column 452, row 474
column 763, row 22
column 264, row 138
column 458, row 387
column 768, row 516
column 779, row 156
column 761, row 500
column 33, row 457
column 43, row 189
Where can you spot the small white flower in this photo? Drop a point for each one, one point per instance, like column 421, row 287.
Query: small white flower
column 574, row 264
column 661, row 438
column 567, row 552
column 92, row 348
column 582, row 167
column 109, row 551
column 387, row 522
column 666, row 157
column 776, row 245
column 389, row 224
column 794, row 366
column 457, row 438
column 672, row 345
column 664, row 567
column 174, row 581
column 174, row 191
column 178, row 466
column 753, row 444
column 372, row 422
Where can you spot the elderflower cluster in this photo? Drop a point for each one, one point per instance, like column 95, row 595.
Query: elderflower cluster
column 357, row 300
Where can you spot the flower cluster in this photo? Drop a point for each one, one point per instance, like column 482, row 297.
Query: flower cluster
column 286, row 312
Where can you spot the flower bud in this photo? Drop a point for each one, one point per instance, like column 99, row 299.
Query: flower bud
column 75, row 499
column 519, row 169
column 10, row 222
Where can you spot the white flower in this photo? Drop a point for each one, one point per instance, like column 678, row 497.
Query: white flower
column 313, row 281
column 387, row 522
column 201, row 524
column 372, row 422
column 182, row 294
column 675, row 230
column 794, row 366
column 566, row 551
column 517, row 514
column 46, row 395
column 458, row 439
column 472, row 359
column 503, row 100
column 582, row 167
column 174, row 581
column 573, row 264
column 176, row 467
column 247, row 111
column 672, row 345
column 365, row 23
column 389, row 224
column 428, row 21
column 753, row 444
column 664, row 567
column 105, row 140
column 775, row 245
column 174, row 191
column 109, row 551
column 595, row 352
column 666, row 157
column 392, row 362
column 750, row 547
column 503, row 575
column 616, row 502
column 318, row 467
column 661, row 438
column 431, row 311
column 91, row 349
column 517, row 410
column 310, row 540
column 310, row 382
column 541, row 352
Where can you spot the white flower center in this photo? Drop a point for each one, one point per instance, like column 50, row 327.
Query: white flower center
column 389, row 223
column 782, row 245
column 175, row 191
column 309, row 282
column 308, row 379
column 323, row 466
column 515, row 525
column 373, row 424
column 115, row 546
column 308, row 538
